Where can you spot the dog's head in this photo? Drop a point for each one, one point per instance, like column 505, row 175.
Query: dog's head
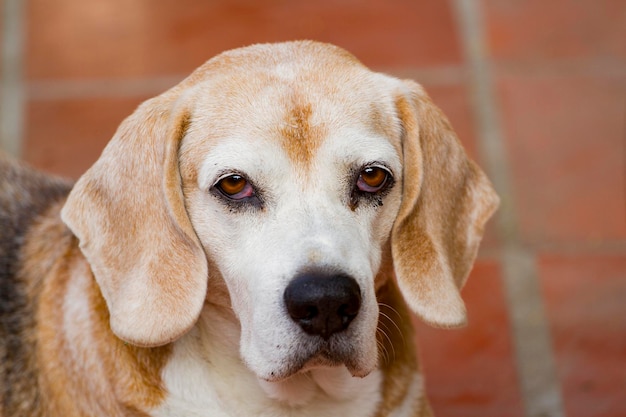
column 301, row 179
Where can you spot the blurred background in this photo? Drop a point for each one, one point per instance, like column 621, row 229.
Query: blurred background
column 536, row 90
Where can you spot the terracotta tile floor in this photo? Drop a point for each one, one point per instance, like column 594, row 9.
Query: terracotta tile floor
column 558, row 94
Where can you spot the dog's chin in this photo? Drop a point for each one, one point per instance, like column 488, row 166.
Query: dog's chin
column 298, row 385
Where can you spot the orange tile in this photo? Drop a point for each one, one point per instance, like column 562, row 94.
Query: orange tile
column 66, row 137
column 115, row 38
column 557, row 30
column 565, row 137
column 471, row 372
column 585, row 297
column 454, row 102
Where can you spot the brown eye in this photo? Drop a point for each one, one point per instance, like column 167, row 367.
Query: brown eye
column 372, row 179
column 235, row 187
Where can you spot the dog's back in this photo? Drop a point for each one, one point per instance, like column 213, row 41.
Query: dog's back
column 24, row 196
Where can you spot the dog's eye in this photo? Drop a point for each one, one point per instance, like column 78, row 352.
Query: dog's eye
column 372, row 179
column 235, row 187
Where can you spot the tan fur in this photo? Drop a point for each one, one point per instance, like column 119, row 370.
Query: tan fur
column 301, row 137
column 119, row 204
column 109, row 314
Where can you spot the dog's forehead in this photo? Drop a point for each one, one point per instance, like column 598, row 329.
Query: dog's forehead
column 298, row 96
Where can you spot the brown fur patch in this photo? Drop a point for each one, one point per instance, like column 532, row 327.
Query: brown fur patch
column 300, row 137
column 136, row 370
column 96, row 374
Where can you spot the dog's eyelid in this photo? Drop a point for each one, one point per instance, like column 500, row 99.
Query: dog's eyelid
column 375, row 164
column 379, row 165
column 227, row 173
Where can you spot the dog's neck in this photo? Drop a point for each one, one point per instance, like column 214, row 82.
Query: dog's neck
column 205, row 373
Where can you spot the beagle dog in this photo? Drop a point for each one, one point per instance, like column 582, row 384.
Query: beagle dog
column 251, row 242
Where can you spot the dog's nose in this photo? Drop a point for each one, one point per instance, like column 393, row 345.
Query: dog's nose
column 323, row 304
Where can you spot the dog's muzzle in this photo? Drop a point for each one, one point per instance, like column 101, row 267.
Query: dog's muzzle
column 323, row 304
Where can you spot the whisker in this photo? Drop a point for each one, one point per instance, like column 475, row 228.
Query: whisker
column 394, row 325
column 382, row 352
column 390, row 342
column 390, row 307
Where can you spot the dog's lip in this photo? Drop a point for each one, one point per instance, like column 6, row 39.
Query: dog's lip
column 314, row 363
column 321, row 359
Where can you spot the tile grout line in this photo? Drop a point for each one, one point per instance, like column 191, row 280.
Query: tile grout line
column 51, row 90
column 62, row 89
column 11, row 85
column 541, row 392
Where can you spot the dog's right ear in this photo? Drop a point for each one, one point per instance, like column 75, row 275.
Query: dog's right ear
column 128, row 212
column 446, row 202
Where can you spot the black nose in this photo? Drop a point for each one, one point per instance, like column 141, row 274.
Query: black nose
column 323, row 304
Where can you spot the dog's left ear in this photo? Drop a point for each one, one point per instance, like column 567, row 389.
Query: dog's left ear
column 128, row 212
column 446, row 201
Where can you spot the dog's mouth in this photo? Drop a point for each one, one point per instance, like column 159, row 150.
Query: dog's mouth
column 316, row 362
column 325, row 373
column 336, row 352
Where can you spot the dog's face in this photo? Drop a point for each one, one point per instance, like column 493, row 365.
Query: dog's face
column 291, row 172
column 293, row 199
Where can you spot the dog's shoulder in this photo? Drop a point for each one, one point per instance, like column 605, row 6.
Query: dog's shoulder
column 25, row 195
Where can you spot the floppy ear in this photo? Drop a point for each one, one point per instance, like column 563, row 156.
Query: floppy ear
column 128, row 212
column 446, row 202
